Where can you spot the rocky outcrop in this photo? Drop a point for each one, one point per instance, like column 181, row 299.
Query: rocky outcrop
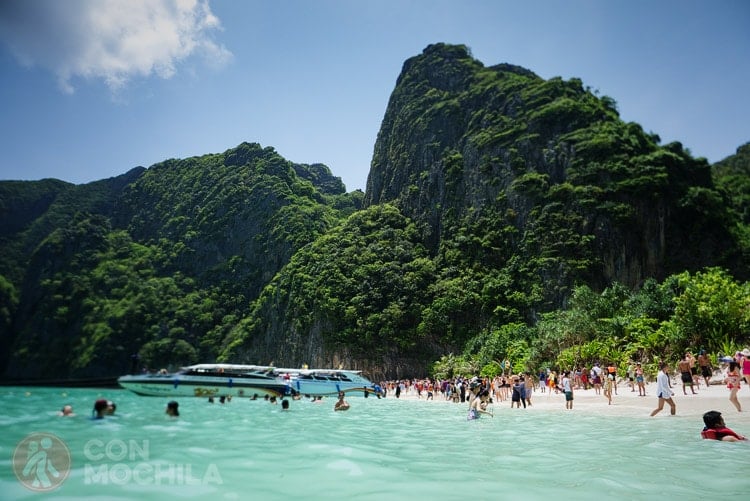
column 460, row 142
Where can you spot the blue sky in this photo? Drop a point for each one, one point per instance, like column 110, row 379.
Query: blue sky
column 92, row 88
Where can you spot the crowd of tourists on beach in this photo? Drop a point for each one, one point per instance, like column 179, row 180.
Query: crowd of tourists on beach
column 519, row 388
column 602, row 379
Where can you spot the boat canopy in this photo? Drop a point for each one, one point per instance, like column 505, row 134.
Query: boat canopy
column 265, row 368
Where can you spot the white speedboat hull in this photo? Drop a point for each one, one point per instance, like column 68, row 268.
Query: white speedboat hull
column 216, row 380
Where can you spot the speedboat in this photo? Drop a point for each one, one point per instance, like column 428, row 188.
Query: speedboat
column 207, row 380
column 322, row 382
column 216, row 380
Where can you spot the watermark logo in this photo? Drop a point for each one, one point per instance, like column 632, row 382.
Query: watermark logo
column 121, row 462
column 41, row 462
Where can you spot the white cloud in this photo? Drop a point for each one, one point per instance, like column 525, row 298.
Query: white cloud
column 112, row 40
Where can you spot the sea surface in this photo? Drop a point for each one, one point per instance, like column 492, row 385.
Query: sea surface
column 381, row 449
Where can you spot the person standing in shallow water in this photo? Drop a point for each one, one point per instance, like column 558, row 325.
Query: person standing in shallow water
column 478, row 405
column 663, row 391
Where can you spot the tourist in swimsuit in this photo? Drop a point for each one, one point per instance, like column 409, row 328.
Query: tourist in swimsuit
column 111, row 408
column 608, row 388
column 100, row 409
column 341, row 404
column 612, row 375
column 715, row 428
column 693, row 368
column 67, row 411
column 585, row 378
column 705, row 365
column 568, row 389
column 640, row 381
column 479, row 405
column 529, row 388
column 173, row 409
column 496, row 384
column 686, row 376
column 733, row 383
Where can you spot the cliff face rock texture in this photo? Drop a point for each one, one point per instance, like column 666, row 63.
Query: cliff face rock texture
column 461, row 142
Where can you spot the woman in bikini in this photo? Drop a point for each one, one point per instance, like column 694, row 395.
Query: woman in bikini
column 733, row 383
column 639, row 380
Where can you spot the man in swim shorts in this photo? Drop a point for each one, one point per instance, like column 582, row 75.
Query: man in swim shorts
column 568, row 389
column 705, row 366
column 685, row 374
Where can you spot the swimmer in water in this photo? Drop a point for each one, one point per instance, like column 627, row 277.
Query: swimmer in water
column 66, row 411
column 173, row 409
column 341, row 404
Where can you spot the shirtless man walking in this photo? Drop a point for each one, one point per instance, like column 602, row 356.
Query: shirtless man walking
column 685, row 374
column 705, row 366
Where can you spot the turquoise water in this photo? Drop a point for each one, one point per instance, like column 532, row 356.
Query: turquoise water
column 380, row 449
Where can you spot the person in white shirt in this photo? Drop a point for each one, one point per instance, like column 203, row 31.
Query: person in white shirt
column 664, row 391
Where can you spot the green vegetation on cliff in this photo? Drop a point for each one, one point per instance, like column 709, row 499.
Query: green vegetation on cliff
column 164, row 268
column 506, row 216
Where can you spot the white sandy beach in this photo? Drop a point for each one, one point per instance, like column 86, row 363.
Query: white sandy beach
column 628, row 403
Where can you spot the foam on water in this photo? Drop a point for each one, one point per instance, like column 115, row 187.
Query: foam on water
column 380, row 449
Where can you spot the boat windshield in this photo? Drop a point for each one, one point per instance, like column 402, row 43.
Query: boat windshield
column 223, row 372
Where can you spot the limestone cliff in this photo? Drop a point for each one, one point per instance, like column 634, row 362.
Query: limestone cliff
column 461, row 142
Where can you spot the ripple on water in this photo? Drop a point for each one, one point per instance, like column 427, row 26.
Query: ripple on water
column 380, row 449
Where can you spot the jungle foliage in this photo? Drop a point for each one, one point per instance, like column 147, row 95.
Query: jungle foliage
column 706, row 310
column 163, row 270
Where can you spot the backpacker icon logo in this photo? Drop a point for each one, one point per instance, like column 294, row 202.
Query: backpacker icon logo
column 41, row 462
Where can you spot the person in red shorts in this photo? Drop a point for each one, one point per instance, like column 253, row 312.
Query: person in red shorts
column 715, row 428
